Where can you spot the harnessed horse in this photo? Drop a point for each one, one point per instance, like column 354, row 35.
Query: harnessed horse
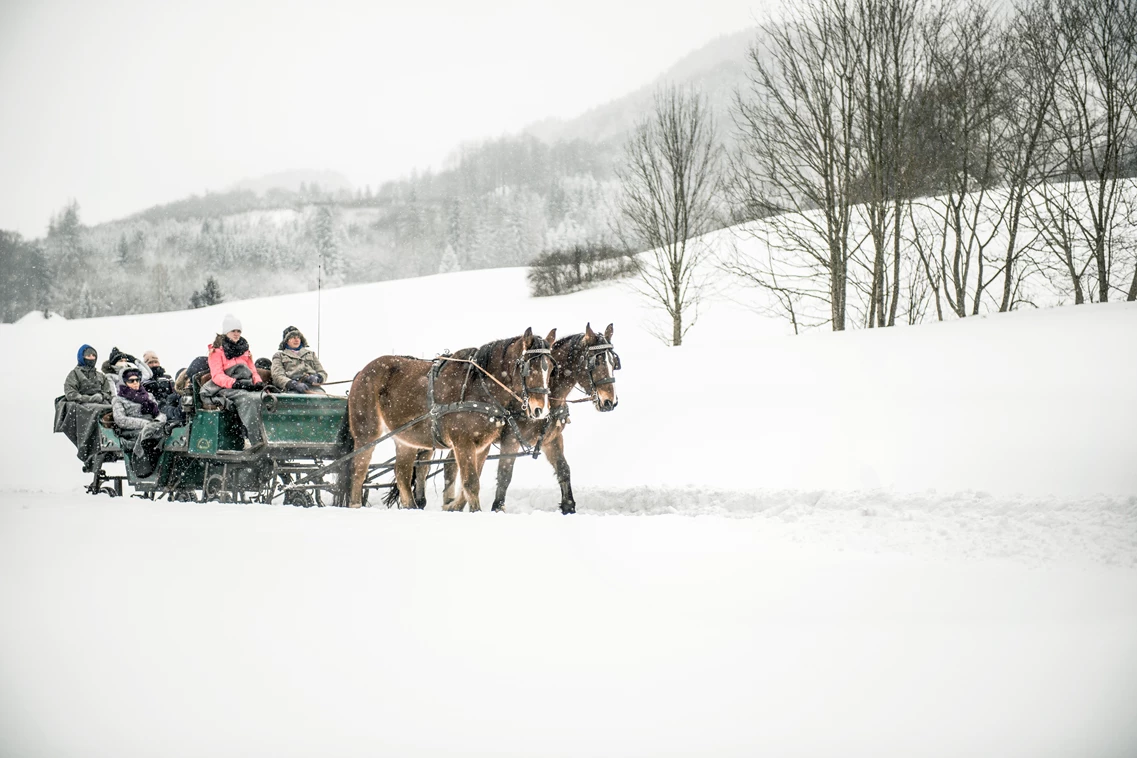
column 463, row 403
column 588, row 361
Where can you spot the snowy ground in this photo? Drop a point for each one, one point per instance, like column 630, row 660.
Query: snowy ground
column 914, row 542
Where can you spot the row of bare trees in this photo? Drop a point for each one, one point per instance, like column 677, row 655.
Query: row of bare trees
column 899, row 158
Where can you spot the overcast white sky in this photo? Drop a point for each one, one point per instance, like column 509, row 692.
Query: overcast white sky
column 122, row 105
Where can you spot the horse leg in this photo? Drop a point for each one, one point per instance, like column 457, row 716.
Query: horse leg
column 467, row 458
column 419, row 489
column 450, row 491
column 555, row 454
column 405, row 457
column 509, row 446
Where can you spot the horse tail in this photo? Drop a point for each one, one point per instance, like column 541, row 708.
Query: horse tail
column 392, row 497
column 365, row 420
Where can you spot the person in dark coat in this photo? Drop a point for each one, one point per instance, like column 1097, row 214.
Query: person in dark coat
column 161, row 386
column 87, row 394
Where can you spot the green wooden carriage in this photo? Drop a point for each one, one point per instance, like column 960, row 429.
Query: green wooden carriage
column 205, row 459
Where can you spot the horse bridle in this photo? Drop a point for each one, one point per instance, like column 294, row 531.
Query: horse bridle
column 596, row 353
column 524, row 369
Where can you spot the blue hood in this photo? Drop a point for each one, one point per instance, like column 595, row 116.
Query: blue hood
column 83, row 349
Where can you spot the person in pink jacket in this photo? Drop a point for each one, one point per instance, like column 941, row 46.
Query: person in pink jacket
column 233, row 379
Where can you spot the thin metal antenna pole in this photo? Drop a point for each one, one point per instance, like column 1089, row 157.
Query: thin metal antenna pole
column 319, row 295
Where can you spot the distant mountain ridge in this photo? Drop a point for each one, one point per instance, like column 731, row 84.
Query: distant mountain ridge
column 716, row 69
column 292, row 180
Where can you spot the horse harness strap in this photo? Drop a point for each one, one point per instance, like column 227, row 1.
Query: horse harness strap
column 493, row 410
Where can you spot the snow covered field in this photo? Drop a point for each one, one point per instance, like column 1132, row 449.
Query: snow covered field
column 913, row 542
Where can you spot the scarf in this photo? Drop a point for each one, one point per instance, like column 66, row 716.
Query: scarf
column 140, row 396
column 234, row 349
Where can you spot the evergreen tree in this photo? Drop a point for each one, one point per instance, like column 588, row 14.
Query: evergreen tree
column 210, row 294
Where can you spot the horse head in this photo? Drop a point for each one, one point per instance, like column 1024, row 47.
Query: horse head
column 527, row 364
column 590, row 364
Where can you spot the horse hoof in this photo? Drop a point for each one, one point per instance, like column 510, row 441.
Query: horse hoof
column 354, row 505
column 568, row 509
column 498, row 507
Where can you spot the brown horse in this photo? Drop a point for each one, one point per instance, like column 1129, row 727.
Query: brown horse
column 466, row 401
column 585, row 360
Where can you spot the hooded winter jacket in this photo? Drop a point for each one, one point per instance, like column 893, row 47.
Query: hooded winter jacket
column 86, row 384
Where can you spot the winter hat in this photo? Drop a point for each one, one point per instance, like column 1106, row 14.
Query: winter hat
column 229, row 323
column 290, row 332
column 132, row 371
column 264, row 363
column 148, row 356
column 83, row 351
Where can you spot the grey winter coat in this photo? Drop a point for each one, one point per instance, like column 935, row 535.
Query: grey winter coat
column 86, row 384
column 128, row 414
column 296, row 364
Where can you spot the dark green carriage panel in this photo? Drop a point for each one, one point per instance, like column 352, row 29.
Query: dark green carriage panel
column 304, row 420
column 108, row 441
column 211, row 431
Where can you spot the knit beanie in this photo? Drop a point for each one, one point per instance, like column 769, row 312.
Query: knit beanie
column 229, row 323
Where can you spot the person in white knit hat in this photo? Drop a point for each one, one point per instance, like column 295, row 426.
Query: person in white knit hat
column 233, row 377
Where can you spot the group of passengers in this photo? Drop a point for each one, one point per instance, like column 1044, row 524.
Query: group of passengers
column 146, row 403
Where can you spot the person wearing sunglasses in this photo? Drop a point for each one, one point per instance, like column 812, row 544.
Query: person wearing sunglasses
column 138, row 418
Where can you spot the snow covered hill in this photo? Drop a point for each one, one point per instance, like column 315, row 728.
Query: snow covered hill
column 918, row 541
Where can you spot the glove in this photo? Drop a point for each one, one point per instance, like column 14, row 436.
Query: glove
column 312, row 379
column 243, row 384
column 258, row 386
column 295, row 386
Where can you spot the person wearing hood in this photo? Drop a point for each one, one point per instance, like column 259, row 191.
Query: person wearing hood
column 234, row 379
column 85, row 383
column 86, row 398
column 295, row 366
column 137, row 416
column 118, row 361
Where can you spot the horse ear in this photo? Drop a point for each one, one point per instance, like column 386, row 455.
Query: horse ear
column 551, row 338
column 527, row 338
column 608, row 333
column 589, row 335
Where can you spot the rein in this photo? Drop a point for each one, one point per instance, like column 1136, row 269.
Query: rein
column 513, row 394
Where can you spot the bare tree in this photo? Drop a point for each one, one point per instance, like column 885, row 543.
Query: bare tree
column 1037, row 57
column 1095, row 121
column 964, row 99
column 886, row 82
column 670, row 180
column 797, row 157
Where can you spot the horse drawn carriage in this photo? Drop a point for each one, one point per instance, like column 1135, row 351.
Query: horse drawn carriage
column 443, row 415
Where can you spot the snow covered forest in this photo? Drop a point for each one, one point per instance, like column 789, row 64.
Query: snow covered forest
column 973, row 160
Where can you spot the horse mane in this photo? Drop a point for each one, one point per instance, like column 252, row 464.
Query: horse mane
column 484, row 353
column 574, row 350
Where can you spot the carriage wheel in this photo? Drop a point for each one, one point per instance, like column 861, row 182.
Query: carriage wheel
column 212, row 490
column 299, row 498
